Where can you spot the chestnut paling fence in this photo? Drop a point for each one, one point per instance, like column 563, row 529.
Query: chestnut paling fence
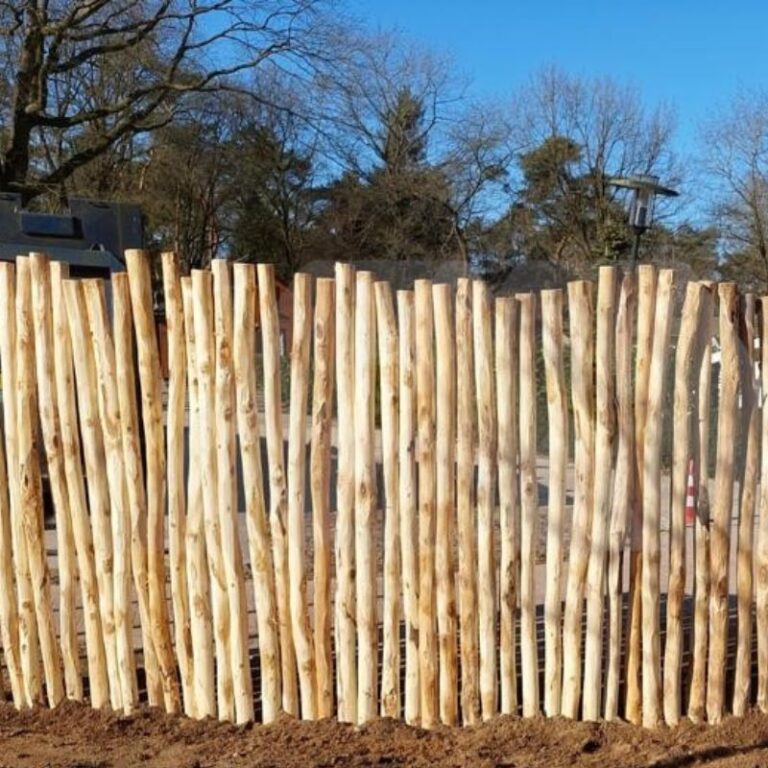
column 414, row 597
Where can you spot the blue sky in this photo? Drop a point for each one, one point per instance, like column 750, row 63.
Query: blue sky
column 692, row 55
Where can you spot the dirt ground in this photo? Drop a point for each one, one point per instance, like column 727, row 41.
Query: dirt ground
column 75, row 736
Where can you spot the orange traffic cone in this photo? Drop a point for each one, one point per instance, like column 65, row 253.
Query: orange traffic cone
column 690, row 496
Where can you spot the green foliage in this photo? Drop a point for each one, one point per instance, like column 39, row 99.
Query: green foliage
column 401, row 209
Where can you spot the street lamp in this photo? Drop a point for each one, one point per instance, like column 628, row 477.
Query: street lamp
column 641, row 203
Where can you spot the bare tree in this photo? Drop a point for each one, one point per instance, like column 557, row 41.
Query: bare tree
column 575, row 134
column 185, row 181
column 419, row 160
column 79, row 76
column 363, row 97
column 735, row 151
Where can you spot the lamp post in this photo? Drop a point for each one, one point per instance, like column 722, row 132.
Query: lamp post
column 644, row 189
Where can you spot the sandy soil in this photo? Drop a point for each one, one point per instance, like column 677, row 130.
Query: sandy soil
column 75, row 736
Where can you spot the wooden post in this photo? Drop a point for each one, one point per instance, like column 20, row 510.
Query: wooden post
column 486, row 437
column 646, row 281
column 9, row 616
column 750, row 421
column 529, row 504
column 386, row 325
column 445, row 508
column 761, row 555
column 177, row 512
column 365, row 496
column 134, row 473
column 49, row 420
column 346, row 668
column 425, row 409
column 259, row 544
column 297, row 471
column 197, row 576
column 29, row 652
column 507, row 376
column 82, row 539
column 465, row 511
column 407, row 500
column 581, row 321
column 651, row 643
column 696, row 701
column 320, row 488
column 557, row 419
column 623, row 488
column 606, row 427
column 226, row 496
column 687, row 367
column 98, row 493
column 30, row 484
column 109, row 413
column 723, row 499
column 278, row 513
column 202, row 296
column 140, row 283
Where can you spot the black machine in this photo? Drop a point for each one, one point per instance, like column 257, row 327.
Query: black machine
column 91, row 237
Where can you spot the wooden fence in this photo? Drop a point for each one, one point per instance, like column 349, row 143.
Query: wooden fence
column 402, row 577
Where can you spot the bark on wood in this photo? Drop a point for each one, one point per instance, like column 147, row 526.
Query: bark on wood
column 297, row 470
column 197, row 576
column 78, row 506
column 202, row 293
column 278, row 492
column 606, row 427
column 425, row 404
column 651, row 642
column 723, row 500
column 487, row 443
column 9, row 615
column 226, row 496
column 177, row 503
column 687, row 366
column 507, row 377
column 140, row 283
column 259, row 543
column 365, row 497
column 386, row 325
column 623, row 488
column 697, row 697
column 320, row 487
column 528, row 505
column 445, row 509
column 52, row 441
column 346, row 671
column 98, row 493
column 646, row 281
column 557, row 419
column 30, row 484
column 29, row 651
column 581, row 319
column 109, row 412
column 134, row 473
column 407, row 502
column 750, row 426
column 761, row 555
column 465, row 516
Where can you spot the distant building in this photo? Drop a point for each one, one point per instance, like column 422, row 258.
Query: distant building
column 91, row 236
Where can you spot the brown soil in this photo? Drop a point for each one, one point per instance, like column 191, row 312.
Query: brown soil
column 75, row 736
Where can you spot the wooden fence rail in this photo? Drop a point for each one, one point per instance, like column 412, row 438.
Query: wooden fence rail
column 407, row 541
